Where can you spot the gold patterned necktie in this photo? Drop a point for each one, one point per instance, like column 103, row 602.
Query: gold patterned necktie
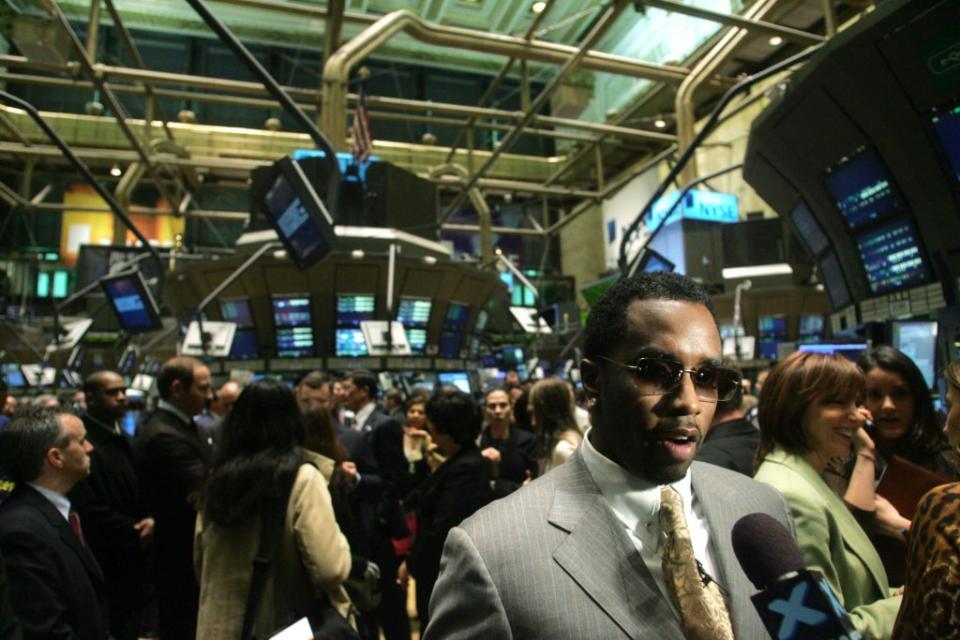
column 701, row 605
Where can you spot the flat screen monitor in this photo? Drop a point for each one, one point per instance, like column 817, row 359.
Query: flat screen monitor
column 450, row 344
column 297, row 214
column 834, row 281
column 947, row 125
column 350, row 343
column 481, row 323
column 132, row 302
column 809, row 229
column 891, row 256
column 849, row 350
column 811, row 326
column 414, row 312
column 457, row 315
column 918, row 341
column 14, row 376
column 291, row 312
column 244, row 345
column 767, row 348
column 862, row 189
column 151, row 366
column 294, row 342
column 509, row 358
column 237, row 311
column 417, row 339
column 458, row 379
column 128, row 361
column 653, row 262
column 774, row 326
column 354, row 309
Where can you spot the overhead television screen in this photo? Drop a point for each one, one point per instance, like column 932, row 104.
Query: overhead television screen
column 809, row 229
column 811, row 327
column 132, row 302
column 458, row 379
column 244, row 345
column 354, row 309
column 457, row 315
column 450, row 344
column 834, row 282
column 350, row 343
column 774, row 326
column 946, row 123
column 891, row 256
column 414, row 312
column 918, row 341
column 294, row 326
column 862, row 189
column 297, row 214
column 237, row 311
column 13, row 375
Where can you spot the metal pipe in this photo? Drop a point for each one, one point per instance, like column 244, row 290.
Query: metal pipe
column 334, row 24
column 240, row 86
column 757, row 26
column 605, row 21
column 829, row 17
column 473, row 228
column 337, row 68
column 93, row 29
column 708, row 126
column 479, row 204
column 706, row 66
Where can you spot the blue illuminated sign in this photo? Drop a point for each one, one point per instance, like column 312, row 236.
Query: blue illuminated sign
column 712, row 206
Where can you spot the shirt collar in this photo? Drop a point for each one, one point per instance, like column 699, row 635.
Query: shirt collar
column 364, row 413
column 112, row 428
column 635, row 501
column 60, row 501
column 167, row 406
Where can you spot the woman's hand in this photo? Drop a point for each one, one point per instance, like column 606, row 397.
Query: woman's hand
column 888, row 521
column 862, row 442
column 403, row 576
column 492, row 454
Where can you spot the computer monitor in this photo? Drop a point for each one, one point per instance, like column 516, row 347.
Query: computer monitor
column 862, row 188
column 245, row 345
column 450, row 344
column 809, row 229
column 772, row 326
column 653, row 262
column 132, row 302
column 298, row 215
column 767, row 348
column 293, row 326
column 13, row 376
column 849, row 350
column 946, row 123
column 458, row 379
column 237, row 311
column 414, row 312
column 811, row 327
column 417, row 339
column 918, row 341
column 891, row 256
column 457, row 316
column 350, row 343
column 352, row 309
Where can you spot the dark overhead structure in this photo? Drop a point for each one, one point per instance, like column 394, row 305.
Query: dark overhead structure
column 862, row 155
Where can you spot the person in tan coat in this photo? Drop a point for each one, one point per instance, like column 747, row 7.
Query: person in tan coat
column 262, row 460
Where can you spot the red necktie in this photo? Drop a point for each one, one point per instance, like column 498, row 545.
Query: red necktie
column 75, row 525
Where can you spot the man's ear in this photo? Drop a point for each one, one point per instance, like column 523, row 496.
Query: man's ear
column 55, row 457
column 176, row 388
column 590, row 376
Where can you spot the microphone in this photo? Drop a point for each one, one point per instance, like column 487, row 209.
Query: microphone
column 793, row 602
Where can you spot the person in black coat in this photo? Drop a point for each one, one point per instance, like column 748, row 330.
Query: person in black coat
column 115, row 524
column 377, row 477
column 9, row 625
column 512, row 452
column 55, row 582
column 732, row 440
column 173, row 460
column 459, row 487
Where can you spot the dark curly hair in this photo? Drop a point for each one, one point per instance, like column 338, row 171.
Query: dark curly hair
column 607, row 322
column 454, row 413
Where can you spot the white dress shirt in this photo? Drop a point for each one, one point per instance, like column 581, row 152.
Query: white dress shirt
column 58, row 500
column 636, row 504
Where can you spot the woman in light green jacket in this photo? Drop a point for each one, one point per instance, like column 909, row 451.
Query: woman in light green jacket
column 809, row 419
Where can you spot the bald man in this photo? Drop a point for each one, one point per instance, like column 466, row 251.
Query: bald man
column 110, row 505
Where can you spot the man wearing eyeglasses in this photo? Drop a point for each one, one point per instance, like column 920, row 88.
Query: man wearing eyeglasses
column 630, row 537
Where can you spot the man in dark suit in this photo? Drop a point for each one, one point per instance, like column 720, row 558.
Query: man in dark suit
column 732, row 440
column 173, row 459
column 114, row 518
column 629, row 538
column 55, row 582
column 378, row 481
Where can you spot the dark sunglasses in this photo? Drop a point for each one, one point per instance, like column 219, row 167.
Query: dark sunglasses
column 658, row 376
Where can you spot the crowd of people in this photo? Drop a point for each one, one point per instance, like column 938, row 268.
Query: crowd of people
column 533, row 511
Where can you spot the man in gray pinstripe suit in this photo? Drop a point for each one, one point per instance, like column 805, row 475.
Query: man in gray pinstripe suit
column 575, row 553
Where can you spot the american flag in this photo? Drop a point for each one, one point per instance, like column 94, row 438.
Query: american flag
column 362, row 139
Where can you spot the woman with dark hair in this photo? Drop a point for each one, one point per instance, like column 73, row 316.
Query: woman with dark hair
column 262, row 466
column 458, row 487
column 512, row 452
column 809, row 419
column 907, row 426
column 551, row 409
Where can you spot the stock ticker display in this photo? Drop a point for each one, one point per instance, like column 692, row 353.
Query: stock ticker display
column 862, row 189
column 294, row 327
column 947, row 125
column 891, row 256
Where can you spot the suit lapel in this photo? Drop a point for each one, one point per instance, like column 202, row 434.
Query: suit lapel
column 62, row 527
column 714, row 503
column 599, row 556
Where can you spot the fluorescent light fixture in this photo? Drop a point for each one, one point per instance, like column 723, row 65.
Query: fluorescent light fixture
column 660, row 123
column 538, row 6
column 775, row 41
column 115, row 170
column 760, row 270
